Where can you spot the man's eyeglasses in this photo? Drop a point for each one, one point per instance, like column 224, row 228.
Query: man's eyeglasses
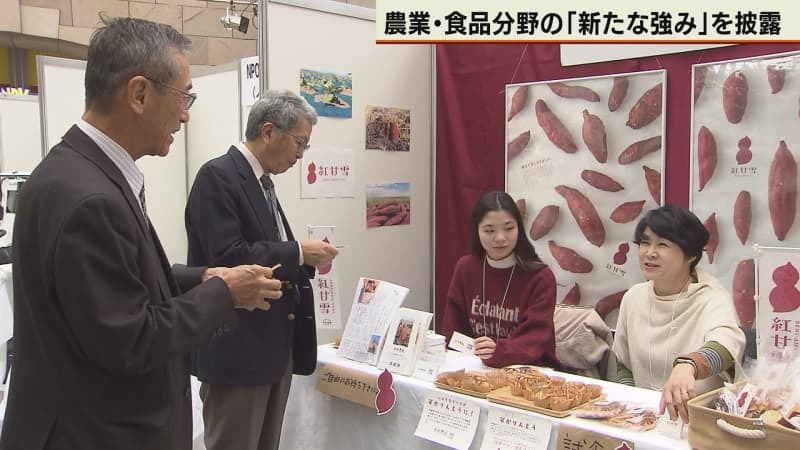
column 188, row 97
column 300, row 141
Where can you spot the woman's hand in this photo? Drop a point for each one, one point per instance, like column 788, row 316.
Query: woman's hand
column 483, row 347
column 678, row 389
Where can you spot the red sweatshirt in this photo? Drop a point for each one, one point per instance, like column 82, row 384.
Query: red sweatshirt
column 522, row 326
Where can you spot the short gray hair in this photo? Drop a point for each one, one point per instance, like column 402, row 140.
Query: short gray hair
column 125, row 47
column 281, row 108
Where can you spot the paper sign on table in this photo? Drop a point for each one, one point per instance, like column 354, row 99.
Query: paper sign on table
column 508, row 430
column 570, row 438
column 461, row 342
column 448, row 420
column 348, row 384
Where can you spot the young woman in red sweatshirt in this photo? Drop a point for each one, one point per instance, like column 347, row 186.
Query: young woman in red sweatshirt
column 501, row 294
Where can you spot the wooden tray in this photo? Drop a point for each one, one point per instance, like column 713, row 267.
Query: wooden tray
column 447, row 387
column 504, row 396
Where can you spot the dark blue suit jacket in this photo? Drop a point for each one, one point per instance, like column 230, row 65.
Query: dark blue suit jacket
column 228, row 223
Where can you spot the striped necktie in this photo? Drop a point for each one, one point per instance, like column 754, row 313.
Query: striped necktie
column 144, row 204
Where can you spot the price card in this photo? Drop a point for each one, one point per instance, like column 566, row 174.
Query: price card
column 448, row 420
column 509, row 430
column 461, row 342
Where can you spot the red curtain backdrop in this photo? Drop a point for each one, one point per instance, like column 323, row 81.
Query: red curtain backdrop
column 470, row 125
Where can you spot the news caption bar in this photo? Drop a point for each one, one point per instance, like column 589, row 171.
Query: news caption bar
column 409, row 21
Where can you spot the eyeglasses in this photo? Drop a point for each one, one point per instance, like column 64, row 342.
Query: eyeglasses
column 301, row 142
column 188, row 97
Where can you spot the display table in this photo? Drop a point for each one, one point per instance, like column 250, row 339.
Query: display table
column 317, row 420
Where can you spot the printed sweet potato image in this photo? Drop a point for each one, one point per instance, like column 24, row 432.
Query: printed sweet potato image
column 713, row 237
column 609, row 303
column 594, row 135
column 566, row 91
column 618, row 92
column 744, row 289
column 523, row 210
column 585, row 214
column 742, row 216
column 734, row 96
column 553, row 128
column 700, row 73
column 706, row 156
column 518, row 101
column 775, row 78
column 639, row 150
column 782, row 191
column 627, row 211
column 621, row 256
column 785, row 297
column 397, row 219
column 518, row 144
column 376, row 221
column 544, row 221
column 568, row 259
column 601, row 181
column 388, row 205
column 647, row 108
column 573, row 297
column 653, row 179
column 744, row 155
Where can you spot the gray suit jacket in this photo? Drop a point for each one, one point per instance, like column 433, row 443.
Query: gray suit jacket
column 102, row 331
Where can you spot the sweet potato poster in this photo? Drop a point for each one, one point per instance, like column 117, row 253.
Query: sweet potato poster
column 745, row 148
column 388, row 204
column 388, row 129
column 584, row 161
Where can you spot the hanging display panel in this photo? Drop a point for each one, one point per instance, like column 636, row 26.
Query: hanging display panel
column 584, row 160
column 745, row 148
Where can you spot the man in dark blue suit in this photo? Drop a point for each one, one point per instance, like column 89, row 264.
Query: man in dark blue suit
column 233, row 217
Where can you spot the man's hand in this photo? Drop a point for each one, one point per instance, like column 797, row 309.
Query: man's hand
column 250, row 285
column 317, row 253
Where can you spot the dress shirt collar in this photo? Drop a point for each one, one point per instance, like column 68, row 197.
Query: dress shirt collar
column 121, row 158
column 251, row 159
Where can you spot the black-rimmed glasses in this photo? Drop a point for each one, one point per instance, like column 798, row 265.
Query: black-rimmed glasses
column 188, row 97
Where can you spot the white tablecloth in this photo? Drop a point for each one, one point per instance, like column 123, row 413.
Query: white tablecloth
column 315, row 420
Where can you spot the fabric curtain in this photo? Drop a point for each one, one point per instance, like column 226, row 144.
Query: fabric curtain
column 470, row 126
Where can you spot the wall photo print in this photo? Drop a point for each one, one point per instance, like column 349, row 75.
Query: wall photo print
column 745, row 148
column 329, row 93
column 584, row 159
column 388, row 129
column 388, row 204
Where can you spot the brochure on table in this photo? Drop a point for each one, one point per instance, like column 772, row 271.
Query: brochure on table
column 405, row 340
column 375, row 304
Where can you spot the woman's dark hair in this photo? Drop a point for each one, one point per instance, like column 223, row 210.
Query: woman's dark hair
column 500, row 201
column 678, row 225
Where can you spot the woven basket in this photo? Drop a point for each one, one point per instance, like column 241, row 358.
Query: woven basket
column 710, row 429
